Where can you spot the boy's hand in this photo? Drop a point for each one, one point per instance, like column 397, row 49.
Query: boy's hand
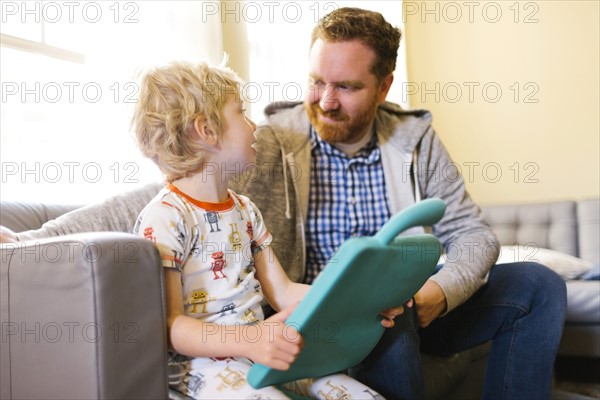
column 7, row 236
column 277, row 344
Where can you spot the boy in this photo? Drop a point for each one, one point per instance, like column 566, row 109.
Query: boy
column 218, row 264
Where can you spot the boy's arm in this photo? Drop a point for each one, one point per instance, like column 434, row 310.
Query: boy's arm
column 277, row 345
column 277, row 287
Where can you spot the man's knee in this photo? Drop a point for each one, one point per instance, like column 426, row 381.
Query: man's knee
column 543, row 286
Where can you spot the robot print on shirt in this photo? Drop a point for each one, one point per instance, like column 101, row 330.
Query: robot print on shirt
column 200, row 296
column 194, row 384
column 136, row 226
column 243, row 282
column 197, row 239
column 231, row 379
column 334, row 392
column 189, row 207
column 256, row 217
column 149, row 234
column 218, row 265
column 249, row 229
column 179, row 229
column 174, row 261
column 250, row 266
column 257, row 288
column 374, row 396
column 249, row 316
column 213, row 219
column 228, row 307
column 234, row 237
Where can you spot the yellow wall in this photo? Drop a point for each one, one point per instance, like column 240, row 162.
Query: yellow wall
column 538, row 139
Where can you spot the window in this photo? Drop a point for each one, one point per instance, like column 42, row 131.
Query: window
column 68, row 89
column 67, row 85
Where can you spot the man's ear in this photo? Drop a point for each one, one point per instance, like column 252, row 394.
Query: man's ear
column 384, row 87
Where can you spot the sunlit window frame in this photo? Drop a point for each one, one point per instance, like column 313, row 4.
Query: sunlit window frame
column 41, row 48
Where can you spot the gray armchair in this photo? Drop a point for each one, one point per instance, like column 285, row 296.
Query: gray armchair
column 83, row 317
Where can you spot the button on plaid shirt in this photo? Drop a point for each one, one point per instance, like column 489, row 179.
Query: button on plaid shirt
column 347, row 198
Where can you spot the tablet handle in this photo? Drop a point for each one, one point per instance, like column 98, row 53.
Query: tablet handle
column 426, row 212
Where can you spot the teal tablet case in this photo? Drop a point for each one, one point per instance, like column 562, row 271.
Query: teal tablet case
column 339, row 316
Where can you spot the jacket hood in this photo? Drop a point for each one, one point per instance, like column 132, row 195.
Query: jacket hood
column 291, row 117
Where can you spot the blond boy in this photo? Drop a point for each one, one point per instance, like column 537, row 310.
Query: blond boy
column 218, row 265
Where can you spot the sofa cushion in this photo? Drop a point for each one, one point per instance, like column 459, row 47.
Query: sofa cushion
column 567, row 266
column 544, row 225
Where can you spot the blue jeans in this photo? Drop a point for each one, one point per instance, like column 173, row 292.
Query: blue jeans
column 521, row 310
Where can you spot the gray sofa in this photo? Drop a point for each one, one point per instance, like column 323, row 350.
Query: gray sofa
column 83, row 316
column 571, row 228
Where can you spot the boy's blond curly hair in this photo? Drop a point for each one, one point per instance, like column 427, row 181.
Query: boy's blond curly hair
column 170, row 100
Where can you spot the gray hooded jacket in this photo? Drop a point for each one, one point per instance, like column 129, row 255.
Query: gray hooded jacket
column 416, row 166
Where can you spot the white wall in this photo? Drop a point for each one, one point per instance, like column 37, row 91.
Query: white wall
column 537, row 139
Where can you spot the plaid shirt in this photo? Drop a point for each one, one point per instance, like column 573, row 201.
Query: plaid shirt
column 347, row 198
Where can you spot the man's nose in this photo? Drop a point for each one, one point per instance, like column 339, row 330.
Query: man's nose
column 329, row 100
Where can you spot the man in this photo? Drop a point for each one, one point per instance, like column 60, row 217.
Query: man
column 342, row 164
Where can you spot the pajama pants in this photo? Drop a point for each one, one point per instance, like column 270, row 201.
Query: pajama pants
column 210, row 378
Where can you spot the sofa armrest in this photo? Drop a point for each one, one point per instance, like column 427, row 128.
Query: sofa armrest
column 83, row 316
column 19, row 216
column 588, row 218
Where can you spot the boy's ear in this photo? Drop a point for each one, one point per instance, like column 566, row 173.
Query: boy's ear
column 204, row 131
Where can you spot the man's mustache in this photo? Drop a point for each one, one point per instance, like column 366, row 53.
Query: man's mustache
column 335, row 115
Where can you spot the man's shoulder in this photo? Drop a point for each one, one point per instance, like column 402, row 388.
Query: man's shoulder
column 281, row 106
column 286, row 115
column 402, row 128
column 393, row 110
column 285, row 123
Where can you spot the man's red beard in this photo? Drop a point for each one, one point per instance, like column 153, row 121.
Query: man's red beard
column 345, row 130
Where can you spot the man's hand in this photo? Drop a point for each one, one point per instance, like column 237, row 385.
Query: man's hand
column 430, row 301
column 391, row 313
column 7, row 236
